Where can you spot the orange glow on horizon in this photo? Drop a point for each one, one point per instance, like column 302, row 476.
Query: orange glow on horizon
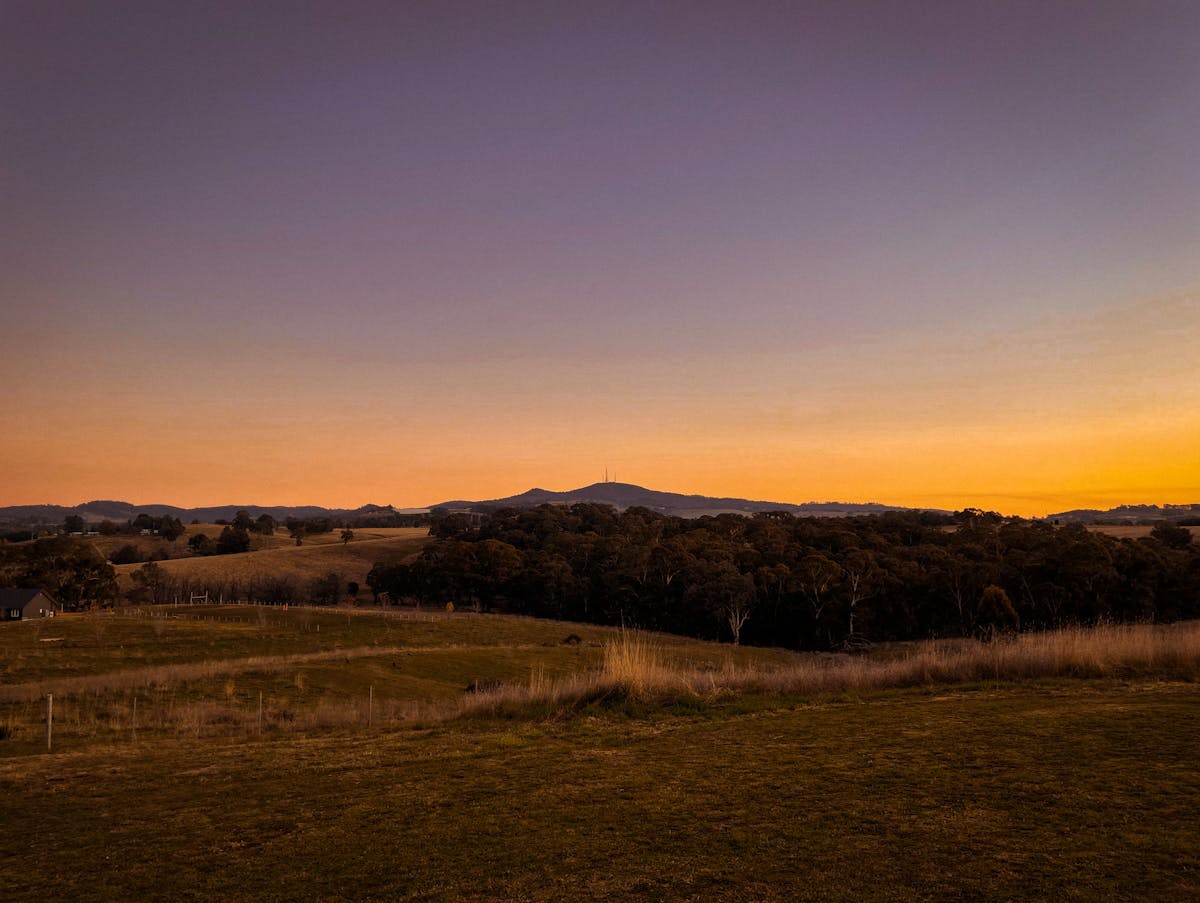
column 1039, row 474
column 997, row 424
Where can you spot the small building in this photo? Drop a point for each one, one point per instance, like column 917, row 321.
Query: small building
column 26, row 604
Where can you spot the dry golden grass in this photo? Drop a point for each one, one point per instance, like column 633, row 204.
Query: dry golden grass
column 1104, row 651
column 361, row 534
column 417, row 668
column 635, row 667
column 305, row 562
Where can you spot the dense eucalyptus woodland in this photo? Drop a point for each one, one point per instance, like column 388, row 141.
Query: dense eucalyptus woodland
column 808, row 583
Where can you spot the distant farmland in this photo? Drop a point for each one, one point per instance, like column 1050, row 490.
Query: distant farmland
column 1131, row 531
column 319, row 555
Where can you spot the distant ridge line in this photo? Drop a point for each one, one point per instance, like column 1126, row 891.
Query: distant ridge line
column 629, row 495
column 117, row 511
column 619, row 495
column 1132, row 514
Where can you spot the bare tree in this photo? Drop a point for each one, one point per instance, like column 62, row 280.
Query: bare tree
column 860, row 576
column 737, row 612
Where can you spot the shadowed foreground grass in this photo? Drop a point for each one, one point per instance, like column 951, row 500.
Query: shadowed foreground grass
column 1044, row 790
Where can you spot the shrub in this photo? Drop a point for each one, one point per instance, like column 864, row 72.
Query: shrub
column 232, row 541
column 996, row 612
column 483, row 686
column 127, row 554
column 326, row 590
column 201, row 544
column 1173, row 536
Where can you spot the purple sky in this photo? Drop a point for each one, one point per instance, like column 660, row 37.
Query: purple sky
column 270, row 200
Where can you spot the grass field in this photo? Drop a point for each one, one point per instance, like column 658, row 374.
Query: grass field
column 1133, row 531
column 199, row 670
column 178, row 548
column 317, row 557
column 1083, row 791
column 280, row 539
column 956, row 787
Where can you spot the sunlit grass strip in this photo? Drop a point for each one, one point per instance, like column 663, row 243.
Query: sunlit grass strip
column 635, row 668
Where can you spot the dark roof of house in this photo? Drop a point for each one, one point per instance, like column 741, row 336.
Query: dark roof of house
column 19, row 598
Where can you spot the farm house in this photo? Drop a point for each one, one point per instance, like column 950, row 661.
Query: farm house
column 26, row 604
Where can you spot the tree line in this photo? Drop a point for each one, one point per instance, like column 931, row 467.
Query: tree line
column 167, row 527
column 153, row 585
column 798, row 582
column 73, row 572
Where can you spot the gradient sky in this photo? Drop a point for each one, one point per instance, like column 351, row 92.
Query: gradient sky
column 330, row 253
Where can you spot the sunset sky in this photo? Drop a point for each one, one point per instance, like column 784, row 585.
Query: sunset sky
column 939, row 254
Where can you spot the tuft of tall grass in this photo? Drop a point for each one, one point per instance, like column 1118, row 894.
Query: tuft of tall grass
column 636, row 666
column 633, row 667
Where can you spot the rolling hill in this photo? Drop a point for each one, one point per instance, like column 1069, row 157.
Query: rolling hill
column 317, row 557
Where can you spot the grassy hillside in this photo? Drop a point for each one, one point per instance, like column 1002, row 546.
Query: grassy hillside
column 319, row 555
column 178, row 547
column 624, row 767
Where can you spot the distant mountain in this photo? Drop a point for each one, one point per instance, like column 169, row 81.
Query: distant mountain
column 119, row 512
column 1128, row 514
column 26, row 515
column 619, row 495
column 627, row 495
